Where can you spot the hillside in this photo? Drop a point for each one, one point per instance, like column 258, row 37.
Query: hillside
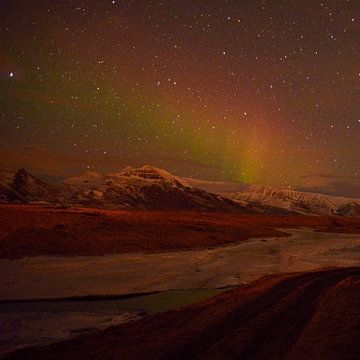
column 34, row 230
column 313, row 315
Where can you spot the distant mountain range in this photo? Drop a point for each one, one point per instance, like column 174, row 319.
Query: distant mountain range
column 298, row 201
column 149, row 187
column 295, row 201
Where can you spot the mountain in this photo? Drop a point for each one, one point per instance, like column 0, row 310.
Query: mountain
column 31, row 189
column 298, row 201
column 149, row 187
column 146, row 187
column 349, row 209
column 308, row 315
column 301, row 202
column 23, row 187
column 6, row 178
column 132, row 188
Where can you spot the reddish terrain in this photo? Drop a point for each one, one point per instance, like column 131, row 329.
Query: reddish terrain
column 32, row 230
column 312, row 315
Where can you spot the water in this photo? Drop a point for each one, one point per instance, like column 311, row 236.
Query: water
column 59, row 276
column 25, row 323
column 31, row 323
column 149, row 303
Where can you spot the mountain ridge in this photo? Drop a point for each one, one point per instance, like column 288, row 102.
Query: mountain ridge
column 293, row 200
column 149, row 187
column 132, row 188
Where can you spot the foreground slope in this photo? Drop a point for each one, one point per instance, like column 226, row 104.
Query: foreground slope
column 313, row 315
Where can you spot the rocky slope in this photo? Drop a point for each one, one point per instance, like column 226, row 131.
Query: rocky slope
column 311, row 315
column 23, row 187
column 349, row 209
column 298, row 201
column 147, row 187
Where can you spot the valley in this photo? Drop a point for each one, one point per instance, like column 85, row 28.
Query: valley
column 65, row 271
column 82, row 255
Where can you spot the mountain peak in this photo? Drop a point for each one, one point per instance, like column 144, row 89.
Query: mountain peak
column 22, row 172
column 152, row 173
column 22, row 176
column 151, row 168
column 127, row 168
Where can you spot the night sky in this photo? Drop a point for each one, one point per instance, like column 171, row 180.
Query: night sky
column 256, row 91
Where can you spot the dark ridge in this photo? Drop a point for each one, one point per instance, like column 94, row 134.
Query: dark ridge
column 82, row 298
column 310, row 315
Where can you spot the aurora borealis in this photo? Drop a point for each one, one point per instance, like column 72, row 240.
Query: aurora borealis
column 256, row 91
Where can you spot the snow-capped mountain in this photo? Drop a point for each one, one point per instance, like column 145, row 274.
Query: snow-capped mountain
column 149, row 187
column 298, row 201
column 23, row 187
column 142, row 188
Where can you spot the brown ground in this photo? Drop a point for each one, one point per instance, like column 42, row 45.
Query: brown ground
column 31, row 230
column 314, row 315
